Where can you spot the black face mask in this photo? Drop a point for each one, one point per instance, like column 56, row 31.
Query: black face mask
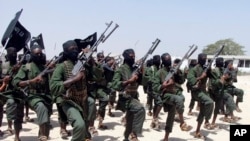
column 219, row 64
column 167, row 63
column 129, row 61
column 72, row 55
column 39, row 59
column 157, row 62
column 202, row 62
column 11, row 58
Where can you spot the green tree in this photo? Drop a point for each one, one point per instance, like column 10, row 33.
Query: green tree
column 231, row 48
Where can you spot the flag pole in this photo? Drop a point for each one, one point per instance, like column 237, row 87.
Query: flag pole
column 2, row 50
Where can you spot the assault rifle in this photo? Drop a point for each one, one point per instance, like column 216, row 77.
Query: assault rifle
column 217, row 53
column 191, row 50
column 47, row 70
column 13, row 71
column 50, row 64
column 84, row 57
column 144, row 58
column 208, row 66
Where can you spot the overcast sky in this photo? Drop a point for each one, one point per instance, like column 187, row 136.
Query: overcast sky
column 177, row 23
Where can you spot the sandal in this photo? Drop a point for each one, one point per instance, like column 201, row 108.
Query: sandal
column 199, row 135
column 64, row 134
column 238, row 110
column 133, row 137
column 225, row 119
column 155, row 124
column 93, row 131
column 234, row 118
column 214, row 126
column 150, row 114
column 102, row 127
column 28, row 119
column 190, row 113
column 185, row 127
column 111, row 114
column 9, row 132
column 43, row 138
column 208, row 126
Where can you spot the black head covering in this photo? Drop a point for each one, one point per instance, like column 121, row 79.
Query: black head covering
column 202, row 58
column 34, row 46
column 39, row 59
column 192, row 63
column 149, row 62
column 157, row 60
column 11, row 55
column 177, row 61
column 70, row 54
column 168, row 62
column 127, row 58
column 126, row 53
column 219, row 62
column 68, row 44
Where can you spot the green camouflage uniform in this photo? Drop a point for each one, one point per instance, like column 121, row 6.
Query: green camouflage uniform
column 147, row 82
column 98, row 87
column 231, row 89
column 200, row 93
column 128, row 100
column 172, row 97
column 39, row 98
column 218, row 93
column 73, row 101
column 14, row 102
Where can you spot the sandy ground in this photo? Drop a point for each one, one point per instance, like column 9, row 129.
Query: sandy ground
column 115, row 129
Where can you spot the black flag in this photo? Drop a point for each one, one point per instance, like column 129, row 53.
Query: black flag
column 16, row 35
column 37, row 40
column 83, row 43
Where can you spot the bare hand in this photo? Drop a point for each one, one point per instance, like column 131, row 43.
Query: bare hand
column 6, row 79
column 37, row 79
column 79, row 76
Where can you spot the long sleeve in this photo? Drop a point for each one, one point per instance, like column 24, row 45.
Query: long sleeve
column 56, row 81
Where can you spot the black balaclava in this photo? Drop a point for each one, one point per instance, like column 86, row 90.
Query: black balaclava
column 157, row 60
column 68, row 53
column 177, row 61
column 202, row 58
column 37, row 58
column 11, row 55
column 192, row 63
column 166, row 60
column 219, row 62
column 149, row 63
column 127, row 58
